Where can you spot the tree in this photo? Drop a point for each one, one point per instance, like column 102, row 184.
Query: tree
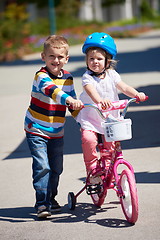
column 40, row 3
column 108, row 3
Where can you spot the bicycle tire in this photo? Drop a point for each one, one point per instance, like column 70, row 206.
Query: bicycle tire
column 98, row 198
column 129, row 202
column 71, row 201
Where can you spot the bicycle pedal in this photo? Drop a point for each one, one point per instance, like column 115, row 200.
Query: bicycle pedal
column 94, row 189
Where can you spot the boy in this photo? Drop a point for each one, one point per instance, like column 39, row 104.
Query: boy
column 44, row 122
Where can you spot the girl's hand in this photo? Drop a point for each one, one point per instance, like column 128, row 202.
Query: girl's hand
column 141, row 96
column 105, row 103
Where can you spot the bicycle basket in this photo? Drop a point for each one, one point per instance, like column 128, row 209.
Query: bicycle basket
column 117, row 131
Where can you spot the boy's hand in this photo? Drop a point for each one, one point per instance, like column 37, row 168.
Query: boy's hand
column 75, row 104
column 141, row 96
column 105, row 103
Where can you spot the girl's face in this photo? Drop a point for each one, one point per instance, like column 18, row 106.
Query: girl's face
column 96, row 60
column 55, row 58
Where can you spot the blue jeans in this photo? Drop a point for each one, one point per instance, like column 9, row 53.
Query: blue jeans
column 47, row 166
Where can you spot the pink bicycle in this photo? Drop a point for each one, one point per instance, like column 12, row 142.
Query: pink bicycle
column 123, row 183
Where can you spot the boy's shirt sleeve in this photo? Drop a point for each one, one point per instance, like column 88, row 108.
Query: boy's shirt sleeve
column 74, row 113
column 44, row 84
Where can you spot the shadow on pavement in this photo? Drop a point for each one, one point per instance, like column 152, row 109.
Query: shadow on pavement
column 20, row 214
column 139, row 61
column 147, row 177
column 130, row 62
column 82, row 213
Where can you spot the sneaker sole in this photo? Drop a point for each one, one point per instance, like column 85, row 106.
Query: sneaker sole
column 55, row 210
column 43, row 214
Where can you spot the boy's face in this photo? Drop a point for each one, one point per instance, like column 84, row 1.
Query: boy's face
column 55, row 58
column 96, row 60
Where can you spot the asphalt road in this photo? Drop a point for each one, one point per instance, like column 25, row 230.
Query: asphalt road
column 139, row 66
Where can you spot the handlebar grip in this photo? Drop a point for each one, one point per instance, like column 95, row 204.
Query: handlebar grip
column 138, row 99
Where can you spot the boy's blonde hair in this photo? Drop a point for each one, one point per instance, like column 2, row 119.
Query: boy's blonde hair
column 56, row 41
column 105, row 54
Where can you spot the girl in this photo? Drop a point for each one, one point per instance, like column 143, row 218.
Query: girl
column 100, row 86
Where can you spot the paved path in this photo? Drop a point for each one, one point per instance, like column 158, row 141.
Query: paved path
column 139, row 66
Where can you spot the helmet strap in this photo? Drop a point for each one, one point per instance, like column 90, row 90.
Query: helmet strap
column 97, row 74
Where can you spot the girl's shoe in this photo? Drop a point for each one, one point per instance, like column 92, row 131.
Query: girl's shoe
column 95, row 180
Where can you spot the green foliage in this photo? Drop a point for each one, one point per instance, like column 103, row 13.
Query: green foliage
column 40, row 3
column 107, row 3
column 13, row 28
column 146, row 11
column 18, row 36
column 67, row 13
column 44, row 3
column 40, row 27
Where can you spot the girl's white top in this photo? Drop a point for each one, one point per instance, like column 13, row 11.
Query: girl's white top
column 88, row 117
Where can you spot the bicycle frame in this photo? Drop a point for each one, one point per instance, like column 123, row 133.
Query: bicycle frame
column 117, row 159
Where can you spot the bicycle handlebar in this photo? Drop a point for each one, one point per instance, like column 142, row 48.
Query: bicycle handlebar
column 121, row 104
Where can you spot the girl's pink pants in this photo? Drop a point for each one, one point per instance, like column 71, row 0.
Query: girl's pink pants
column 89, row 144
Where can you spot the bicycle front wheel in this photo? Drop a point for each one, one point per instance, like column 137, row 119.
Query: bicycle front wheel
column 129, row 200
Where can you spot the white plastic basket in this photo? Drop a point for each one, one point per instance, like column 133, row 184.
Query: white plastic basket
column 118, row 131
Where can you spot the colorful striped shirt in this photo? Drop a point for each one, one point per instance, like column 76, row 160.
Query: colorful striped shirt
column 46, row 113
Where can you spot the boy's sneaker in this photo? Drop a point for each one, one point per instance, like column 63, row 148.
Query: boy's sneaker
column 43, row 212
column 55, row 207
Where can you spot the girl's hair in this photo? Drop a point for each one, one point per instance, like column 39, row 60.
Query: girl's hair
column 108, row 56
column 56, row 41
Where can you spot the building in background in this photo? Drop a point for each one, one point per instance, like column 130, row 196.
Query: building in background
column 94, row 10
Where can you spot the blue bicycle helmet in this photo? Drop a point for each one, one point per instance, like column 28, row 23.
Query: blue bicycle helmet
column 101, row 40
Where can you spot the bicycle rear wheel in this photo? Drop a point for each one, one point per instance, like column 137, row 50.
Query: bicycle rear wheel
column 129, row 201
column 98, row 197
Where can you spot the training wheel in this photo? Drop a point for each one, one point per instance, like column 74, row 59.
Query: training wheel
column 71, row 201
